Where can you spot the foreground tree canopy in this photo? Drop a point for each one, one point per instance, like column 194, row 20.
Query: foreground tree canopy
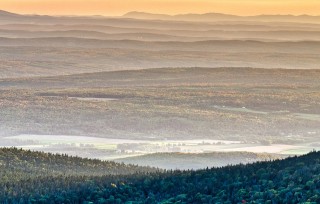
column 33, row 177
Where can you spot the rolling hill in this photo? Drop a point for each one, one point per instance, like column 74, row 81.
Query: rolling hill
column 185, row 161
column 35, row 164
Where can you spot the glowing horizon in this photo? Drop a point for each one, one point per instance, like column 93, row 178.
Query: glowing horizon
column 116, row 8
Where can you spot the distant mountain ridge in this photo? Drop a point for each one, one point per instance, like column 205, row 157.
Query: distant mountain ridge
column 4, row 14
column 221, row 17
column 145, row 15
column 206, row 17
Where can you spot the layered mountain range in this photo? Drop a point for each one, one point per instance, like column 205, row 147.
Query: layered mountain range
column 34, row 45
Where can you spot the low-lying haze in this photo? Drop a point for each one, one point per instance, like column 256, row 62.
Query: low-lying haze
column 143, row 84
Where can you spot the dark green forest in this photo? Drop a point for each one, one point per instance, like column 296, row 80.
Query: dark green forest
column 34, row 177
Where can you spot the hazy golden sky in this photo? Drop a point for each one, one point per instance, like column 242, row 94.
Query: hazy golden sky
column 119, row 7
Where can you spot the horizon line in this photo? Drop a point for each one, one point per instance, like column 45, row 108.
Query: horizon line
column 165, row 14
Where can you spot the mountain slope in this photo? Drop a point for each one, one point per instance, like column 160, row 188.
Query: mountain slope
column 4, row 14
column 27, row 164
column 293, row 180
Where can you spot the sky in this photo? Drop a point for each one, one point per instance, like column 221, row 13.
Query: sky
column 119, row 7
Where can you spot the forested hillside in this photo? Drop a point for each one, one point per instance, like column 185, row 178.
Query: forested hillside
column 293, row 180
column 17, row 165
column 27, row 174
